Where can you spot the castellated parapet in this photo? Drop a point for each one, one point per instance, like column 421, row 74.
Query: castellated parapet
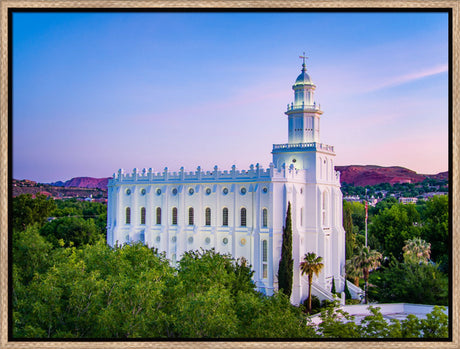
column 254, row 173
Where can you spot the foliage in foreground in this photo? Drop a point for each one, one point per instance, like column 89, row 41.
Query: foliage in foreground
column 96, row 291
column 67, row 283
column 375, row 326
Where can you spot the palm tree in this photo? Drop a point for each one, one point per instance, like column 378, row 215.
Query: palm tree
column 366, row 261
column 353, row 272
column 417, row 251
column 311, row 265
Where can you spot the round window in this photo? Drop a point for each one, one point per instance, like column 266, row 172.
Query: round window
column 225, row 191
column 225, row 241
column 243, row 191
column 174, row 191
column 265, row 190
column 208, row 191
column 158, row 191
column 173, row 239
column 128, row 191
column 207, row 240
column 158, row 239
column 243, row 241
column 191, row 191
column 190, row 239
column 143, row 191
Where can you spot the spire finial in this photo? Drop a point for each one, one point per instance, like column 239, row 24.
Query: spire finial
column 303, row 64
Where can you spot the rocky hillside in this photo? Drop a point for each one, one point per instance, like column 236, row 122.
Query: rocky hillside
column 56, row 191
column 84, row 182
column 356, row 175
column 359, row 175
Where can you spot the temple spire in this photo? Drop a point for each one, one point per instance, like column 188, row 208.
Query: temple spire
column 303, row 64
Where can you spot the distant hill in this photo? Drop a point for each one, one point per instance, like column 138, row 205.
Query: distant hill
column 362, row 175
column 357, row 175
column 84, row 182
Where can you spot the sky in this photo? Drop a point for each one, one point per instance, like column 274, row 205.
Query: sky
column 96, row 92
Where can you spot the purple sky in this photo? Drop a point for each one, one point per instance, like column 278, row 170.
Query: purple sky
column 95, row 92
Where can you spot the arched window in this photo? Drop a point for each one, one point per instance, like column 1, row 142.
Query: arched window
column 264, row 259
column 243, row 217
column 225, row 216
column 158, row 215
column 128, row 215
column 264, row 218
column 142, row 215
column 190, row 216
column 208, row 216
column 174, row 216
column 142, row 237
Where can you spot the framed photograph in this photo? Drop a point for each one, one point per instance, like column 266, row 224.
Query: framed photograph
column 206, row 174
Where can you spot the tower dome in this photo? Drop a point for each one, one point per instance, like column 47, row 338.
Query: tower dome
column 303, row 78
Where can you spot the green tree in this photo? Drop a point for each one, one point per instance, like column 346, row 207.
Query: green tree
column 271, row 317
column 27, row 210
column 336, row 323
column 285, row 270
column 350, row 236
column 31, row 253
column 410, row 282
column 366, row 260
column 96, row 291
column 311, row 265
column 347, row 291
column 435, row 228
column 74, row 231
column 333, row 291
column 392, row 227
column 353, row 272
column 388, row 202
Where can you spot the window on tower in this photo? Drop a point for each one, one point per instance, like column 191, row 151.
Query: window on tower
column 158, row 215
column 264, row 259
column 190, row 216
column 243, row 217
column 225, row 216
column 128, row 215
column 264, row 218
column 174, row 216
column 208, row 216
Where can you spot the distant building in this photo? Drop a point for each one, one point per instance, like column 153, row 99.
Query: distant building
column 353, row 198
column 408, row 200
column 243, row 212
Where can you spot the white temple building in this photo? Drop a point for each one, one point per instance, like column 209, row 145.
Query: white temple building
column 242, row 212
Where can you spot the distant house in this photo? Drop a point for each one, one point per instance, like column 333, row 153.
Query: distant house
column 352, row 198
column 408, row 200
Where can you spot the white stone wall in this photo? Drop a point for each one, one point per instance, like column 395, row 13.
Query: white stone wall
column 271, row 190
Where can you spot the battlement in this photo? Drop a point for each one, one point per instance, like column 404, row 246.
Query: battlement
column 255, row 172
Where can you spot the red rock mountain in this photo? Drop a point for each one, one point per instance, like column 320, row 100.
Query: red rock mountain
column 87, row 182
column 371, row 175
